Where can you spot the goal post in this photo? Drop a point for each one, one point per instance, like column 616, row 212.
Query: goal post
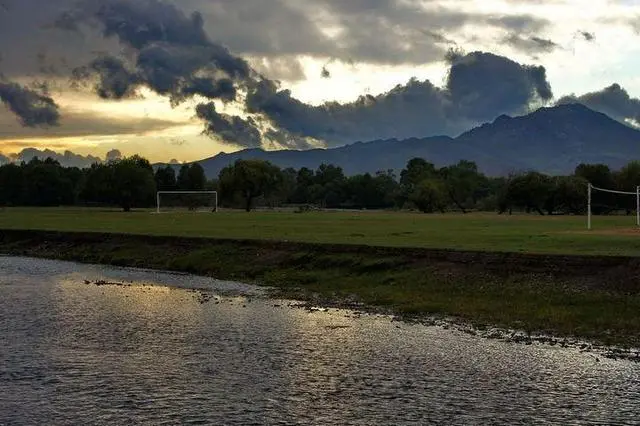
column 192, row 195
column 592, row 189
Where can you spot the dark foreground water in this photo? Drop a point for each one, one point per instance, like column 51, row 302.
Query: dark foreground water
column 154, row 352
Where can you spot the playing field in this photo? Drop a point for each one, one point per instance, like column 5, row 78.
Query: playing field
column 486, row 231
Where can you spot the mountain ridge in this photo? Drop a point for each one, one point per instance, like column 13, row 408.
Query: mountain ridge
column 552, row 140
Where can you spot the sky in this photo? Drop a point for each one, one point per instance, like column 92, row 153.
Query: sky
column 185, row 80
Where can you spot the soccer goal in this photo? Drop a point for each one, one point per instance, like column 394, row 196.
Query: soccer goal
column 595, row 189
column 193, row 201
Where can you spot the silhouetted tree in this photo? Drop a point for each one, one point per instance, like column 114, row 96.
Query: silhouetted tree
column 165, row 178
column 133, row 182
column 250, row 179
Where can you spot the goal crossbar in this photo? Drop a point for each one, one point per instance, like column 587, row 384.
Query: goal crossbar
column 160, row 193
column 612, row 191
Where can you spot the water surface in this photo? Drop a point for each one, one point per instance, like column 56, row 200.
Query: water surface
column 154, row 351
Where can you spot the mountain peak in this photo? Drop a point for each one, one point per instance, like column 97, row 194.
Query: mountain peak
column 552, row 140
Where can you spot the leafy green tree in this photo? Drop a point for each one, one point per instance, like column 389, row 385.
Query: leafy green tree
column 463, row 183
column 416, row 171
column 46, row 183
column 372, row 192
column 191, row 177
column 98, row 185
column 286, row 189
column 197, row 178
column 628, row 180
column 529, row 191
column 569, row 195
column 329, row 188
column 250, row 179
column 429, row 196
column 599, row 175
column 305, row 179
column 133, row 182
column 165, row 178
column 12, row 185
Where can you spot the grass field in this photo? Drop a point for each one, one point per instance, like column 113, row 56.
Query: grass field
column 483, row 231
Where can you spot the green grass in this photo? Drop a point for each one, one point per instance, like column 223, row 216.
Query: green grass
column 482, row 231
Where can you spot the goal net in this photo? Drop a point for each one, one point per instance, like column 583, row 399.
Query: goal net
column 189, row 201
column 610, row 201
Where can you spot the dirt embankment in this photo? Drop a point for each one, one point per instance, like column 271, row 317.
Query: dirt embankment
column 604, row 272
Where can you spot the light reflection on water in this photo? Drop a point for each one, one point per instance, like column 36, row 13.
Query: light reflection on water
column 153, row 354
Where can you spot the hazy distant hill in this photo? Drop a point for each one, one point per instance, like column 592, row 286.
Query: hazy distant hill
column 552, row 140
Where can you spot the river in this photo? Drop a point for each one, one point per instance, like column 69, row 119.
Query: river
column 162, row 348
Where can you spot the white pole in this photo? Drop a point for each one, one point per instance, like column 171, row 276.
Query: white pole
column 589, row 208
column 638, row 205
column 158, row 202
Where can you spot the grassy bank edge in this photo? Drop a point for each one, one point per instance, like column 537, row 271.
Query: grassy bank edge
column 592, row 297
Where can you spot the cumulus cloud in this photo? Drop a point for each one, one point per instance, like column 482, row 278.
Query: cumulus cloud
column 170, row 51
column 67, row 158
column 483, row 86
column 173, row 54
column 479, row 87
column 32, row 108
column 613, row 101
column 113, row 155
column 378, row 32
column 4, row 160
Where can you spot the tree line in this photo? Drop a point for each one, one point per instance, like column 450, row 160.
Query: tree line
column 132, row 183
column 128, row 183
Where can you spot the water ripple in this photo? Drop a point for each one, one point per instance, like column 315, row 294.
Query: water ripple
column 159, row 352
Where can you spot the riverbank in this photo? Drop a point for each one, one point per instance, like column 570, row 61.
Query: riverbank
column 591, row 297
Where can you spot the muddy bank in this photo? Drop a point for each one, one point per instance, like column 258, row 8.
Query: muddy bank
column 593, row 297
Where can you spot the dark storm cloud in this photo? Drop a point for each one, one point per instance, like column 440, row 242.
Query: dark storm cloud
column 115, row 81
column 33, row 109
column 373, row 31
column 269, row 31
column 530, row 44
column 519, row 23
column 483, row 86
column 613, row 101
column 231, row 129
column 173, row 54
column 479, row 87
column 283, row 139
column 287, row 68
column 587, row 36
column 409, row 110
column 31, row 45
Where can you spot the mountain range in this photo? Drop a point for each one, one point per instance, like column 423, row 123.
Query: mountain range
column 552, row 140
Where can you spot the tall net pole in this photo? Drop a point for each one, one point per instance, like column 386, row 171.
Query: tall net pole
column 638, row 206
column 589, row 207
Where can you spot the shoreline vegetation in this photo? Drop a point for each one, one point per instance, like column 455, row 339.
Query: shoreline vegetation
column 595, row 298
